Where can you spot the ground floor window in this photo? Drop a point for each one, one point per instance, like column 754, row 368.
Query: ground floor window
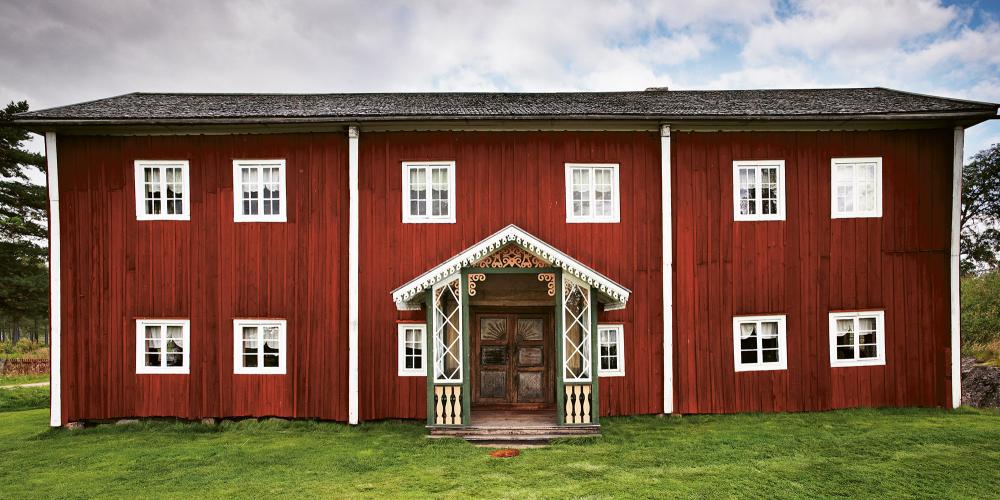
column 162, row 346
column 610, row 342
column 857, row 338
column 259, row 346
column 759, row 343
column 411, row 350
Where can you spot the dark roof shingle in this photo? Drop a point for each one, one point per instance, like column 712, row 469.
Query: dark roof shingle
column 660, row 104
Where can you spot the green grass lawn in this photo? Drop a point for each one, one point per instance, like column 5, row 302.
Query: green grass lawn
column 23, row 379
column 885, row 453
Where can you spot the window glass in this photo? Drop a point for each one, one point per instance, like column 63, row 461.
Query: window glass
column 428, row 192
column 759, row 343
column 592, row 193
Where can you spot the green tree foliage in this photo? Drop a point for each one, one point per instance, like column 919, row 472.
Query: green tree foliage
column 981, row 309
column 981, row 212
column 23, row 226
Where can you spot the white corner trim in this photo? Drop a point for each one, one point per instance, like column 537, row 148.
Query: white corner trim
column 956, row 229
column 55, row 287
column 353, row 266
column 667, row 268
column 617, row 294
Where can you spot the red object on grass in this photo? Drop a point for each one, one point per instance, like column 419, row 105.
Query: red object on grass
column 505, row 453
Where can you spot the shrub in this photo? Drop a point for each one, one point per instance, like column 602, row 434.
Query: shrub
column 981, row 308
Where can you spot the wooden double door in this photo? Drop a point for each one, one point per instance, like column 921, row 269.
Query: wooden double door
column 512, row 358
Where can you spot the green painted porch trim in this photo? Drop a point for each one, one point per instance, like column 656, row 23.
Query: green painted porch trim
column 595, row 361
column 510, row 270
column 429, row 359
column 560, row 369
column 463, row 287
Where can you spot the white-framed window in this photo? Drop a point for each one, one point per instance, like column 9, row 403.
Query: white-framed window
column 259, row 346
column 856, row 187
column 592, row 192
column 759, row 190
column 759, row 343
column 259, row 191
column 411, row 350
column 428, row 191
column 162, row 190
column 857, row 338
column 163, row 346
column 611, row 345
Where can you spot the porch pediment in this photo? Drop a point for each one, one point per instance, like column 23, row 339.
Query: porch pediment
column 511, row 247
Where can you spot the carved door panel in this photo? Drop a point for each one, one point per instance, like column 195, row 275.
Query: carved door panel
column 511, row 360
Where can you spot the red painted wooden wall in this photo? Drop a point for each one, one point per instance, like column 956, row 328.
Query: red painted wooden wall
column 208, row 269
column 510, row 178
column 808, row 265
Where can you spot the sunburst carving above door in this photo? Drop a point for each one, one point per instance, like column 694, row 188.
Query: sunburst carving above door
column 511, row 256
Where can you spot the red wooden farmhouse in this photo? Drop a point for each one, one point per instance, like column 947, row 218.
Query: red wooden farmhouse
column 444, row 256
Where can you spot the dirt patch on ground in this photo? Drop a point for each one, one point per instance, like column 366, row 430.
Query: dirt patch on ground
column 980, row 384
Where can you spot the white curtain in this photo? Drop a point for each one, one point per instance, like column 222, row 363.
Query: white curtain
column 768, row 330
column 747, row 330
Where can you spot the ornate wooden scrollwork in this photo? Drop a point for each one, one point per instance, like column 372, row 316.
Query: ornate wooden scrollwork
column 473, row 279
column 511, row 256
column 550, row 280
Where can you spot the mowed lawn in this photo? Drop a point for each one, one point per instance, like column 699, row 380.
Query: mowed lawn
column 894, row 453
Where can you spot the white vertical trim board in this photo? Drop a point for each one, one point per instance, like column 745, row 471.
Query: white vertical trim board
column 956, row 228
column 55, row 305
column 352, row 275
column 668, row 275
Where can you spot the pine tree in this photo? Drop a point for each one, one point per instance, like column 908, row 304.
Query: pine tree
column 23, row 227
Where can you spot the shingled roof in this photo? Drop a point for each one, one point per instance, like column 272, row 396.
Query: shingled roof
column 846, row 103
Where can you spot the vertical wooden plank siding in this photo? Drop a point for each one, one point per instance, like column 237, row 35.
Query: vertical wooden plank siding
column 510, row 178
column 809, row 265
column 208, row 269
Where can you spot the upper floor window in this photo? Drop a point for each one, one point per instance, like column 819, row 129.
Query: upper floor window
column 429, row 191
column 162, row 346
column 411, row 350
column 759, row 190
column 612, row 354
column 162, row 190
column 259, row 346
column 857, row 187
column 592, row 192
column 857, row 338
column 259, row 191
column 759, row 343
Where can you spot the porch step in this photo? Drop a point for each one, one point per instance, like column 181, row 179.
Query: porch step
column 514, row 435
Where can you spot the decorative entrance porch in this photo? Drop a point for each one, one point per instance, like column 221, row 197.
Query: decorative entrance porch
column 512, row 339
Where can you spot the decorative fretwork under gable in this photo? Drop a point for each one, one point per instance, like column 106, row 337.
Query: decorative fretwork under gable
column 511, row 247
column 511, row 255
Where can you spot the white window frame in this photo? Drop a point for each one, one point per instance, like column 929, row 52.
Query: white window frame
column 140, row 189
column 855, row 214
column 140, row 346
column 427, row 218
column 760, row 365
column 238, row 215
column 619, row 330
column 615, row 215
column 401, row 330
column 757, row 165
column 238, row 367
column 878, row 360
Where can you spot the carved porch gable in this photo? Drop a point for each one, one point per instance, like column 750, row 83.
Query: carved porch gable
column 511, row 255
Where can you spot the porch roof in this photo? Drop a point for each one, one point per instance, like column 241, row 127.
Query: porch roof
column 614, row 295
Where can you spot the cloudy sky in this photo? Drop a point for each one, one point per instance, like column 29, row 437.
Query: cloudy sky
column 64, row 51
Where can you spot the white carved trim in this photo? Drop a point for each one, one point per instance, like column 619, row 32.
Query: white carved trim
column 407, row 294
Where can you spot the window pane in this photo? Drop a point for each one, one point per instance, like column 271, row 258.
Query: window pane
column 250, row 193
column 868, row 351
column 152, row 191
column 748, row 336
column 581, row 192
column 845, row 353
column 748, row 357
column 418, row 191
column 770, row 355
